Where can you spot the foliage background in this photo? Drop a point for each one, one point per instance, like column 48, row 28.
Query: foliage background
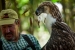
column 26, row 9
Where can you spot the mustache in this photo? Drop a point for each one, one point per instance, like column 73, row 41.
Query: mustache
column 9, row 33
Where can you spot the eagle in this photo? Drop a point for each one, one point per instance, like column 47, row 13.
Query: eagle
column 61, row 35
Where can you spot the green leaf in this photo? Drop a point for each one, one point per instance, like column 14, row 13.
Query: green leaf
column 54, row 1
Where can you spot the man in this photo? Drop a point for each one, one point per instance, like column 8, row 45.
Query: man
column 11, row 38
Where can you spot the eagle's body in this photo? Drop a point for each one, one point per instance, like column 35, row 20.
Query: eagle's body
column 62, row 37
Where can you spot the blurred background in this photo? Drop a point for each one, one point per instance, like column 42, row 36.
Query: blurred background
column 26, row 9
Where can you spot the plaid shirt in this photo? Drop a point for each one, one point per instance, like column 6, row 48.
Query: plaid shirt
column 20, row 44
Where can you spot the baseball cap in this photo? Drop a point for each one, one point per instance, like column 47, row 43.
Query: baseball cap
column 8, row 16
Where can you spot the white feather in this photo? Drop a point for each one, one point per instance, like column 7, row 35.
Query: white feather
column 42, row 17
column 47, row 19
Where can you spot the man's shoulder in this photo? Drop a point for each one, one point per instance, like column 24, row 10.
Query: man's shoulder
column 29, row 35
column 34, row 41
column 28, row 38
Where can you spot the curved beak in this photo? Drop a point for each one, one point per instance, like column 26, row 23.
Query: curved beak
column 36, row 20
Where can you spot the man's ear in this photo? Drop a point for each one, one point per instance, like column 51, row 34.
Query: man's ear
column 18, row 22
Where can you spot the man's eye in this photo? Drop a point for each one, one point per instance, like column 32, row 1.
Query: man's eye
column 3, row 27
column 11, row 26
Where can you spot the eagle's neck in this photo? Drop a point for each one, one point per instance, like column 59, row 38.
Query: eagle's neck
column 49, row 21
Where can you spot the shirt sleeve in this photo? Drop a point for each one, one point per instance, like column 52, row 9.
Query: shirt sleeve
column 35, row 41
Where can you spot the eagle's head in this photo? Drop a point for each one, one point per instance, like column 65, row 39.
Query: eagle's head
column 48, row 12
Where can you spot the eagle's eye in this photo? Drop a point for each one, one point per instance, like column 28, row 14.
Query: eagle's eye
column 39, row 10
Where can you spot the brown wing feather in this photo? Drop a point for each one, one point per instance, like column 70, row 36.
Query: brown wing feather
column 62, row 38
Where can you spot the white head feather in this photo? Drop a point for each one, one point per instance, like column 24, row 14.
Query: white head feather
column 47, row 19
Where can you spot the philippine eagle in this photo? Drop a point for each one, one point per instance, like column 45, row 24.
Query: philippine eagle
column 62, row 37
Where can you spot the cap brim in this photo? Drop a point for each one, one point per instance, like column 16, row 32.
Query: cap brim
column 9, row 21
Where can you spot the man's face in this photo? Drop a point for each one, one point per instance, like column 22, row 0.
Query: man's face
column 10, row 31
